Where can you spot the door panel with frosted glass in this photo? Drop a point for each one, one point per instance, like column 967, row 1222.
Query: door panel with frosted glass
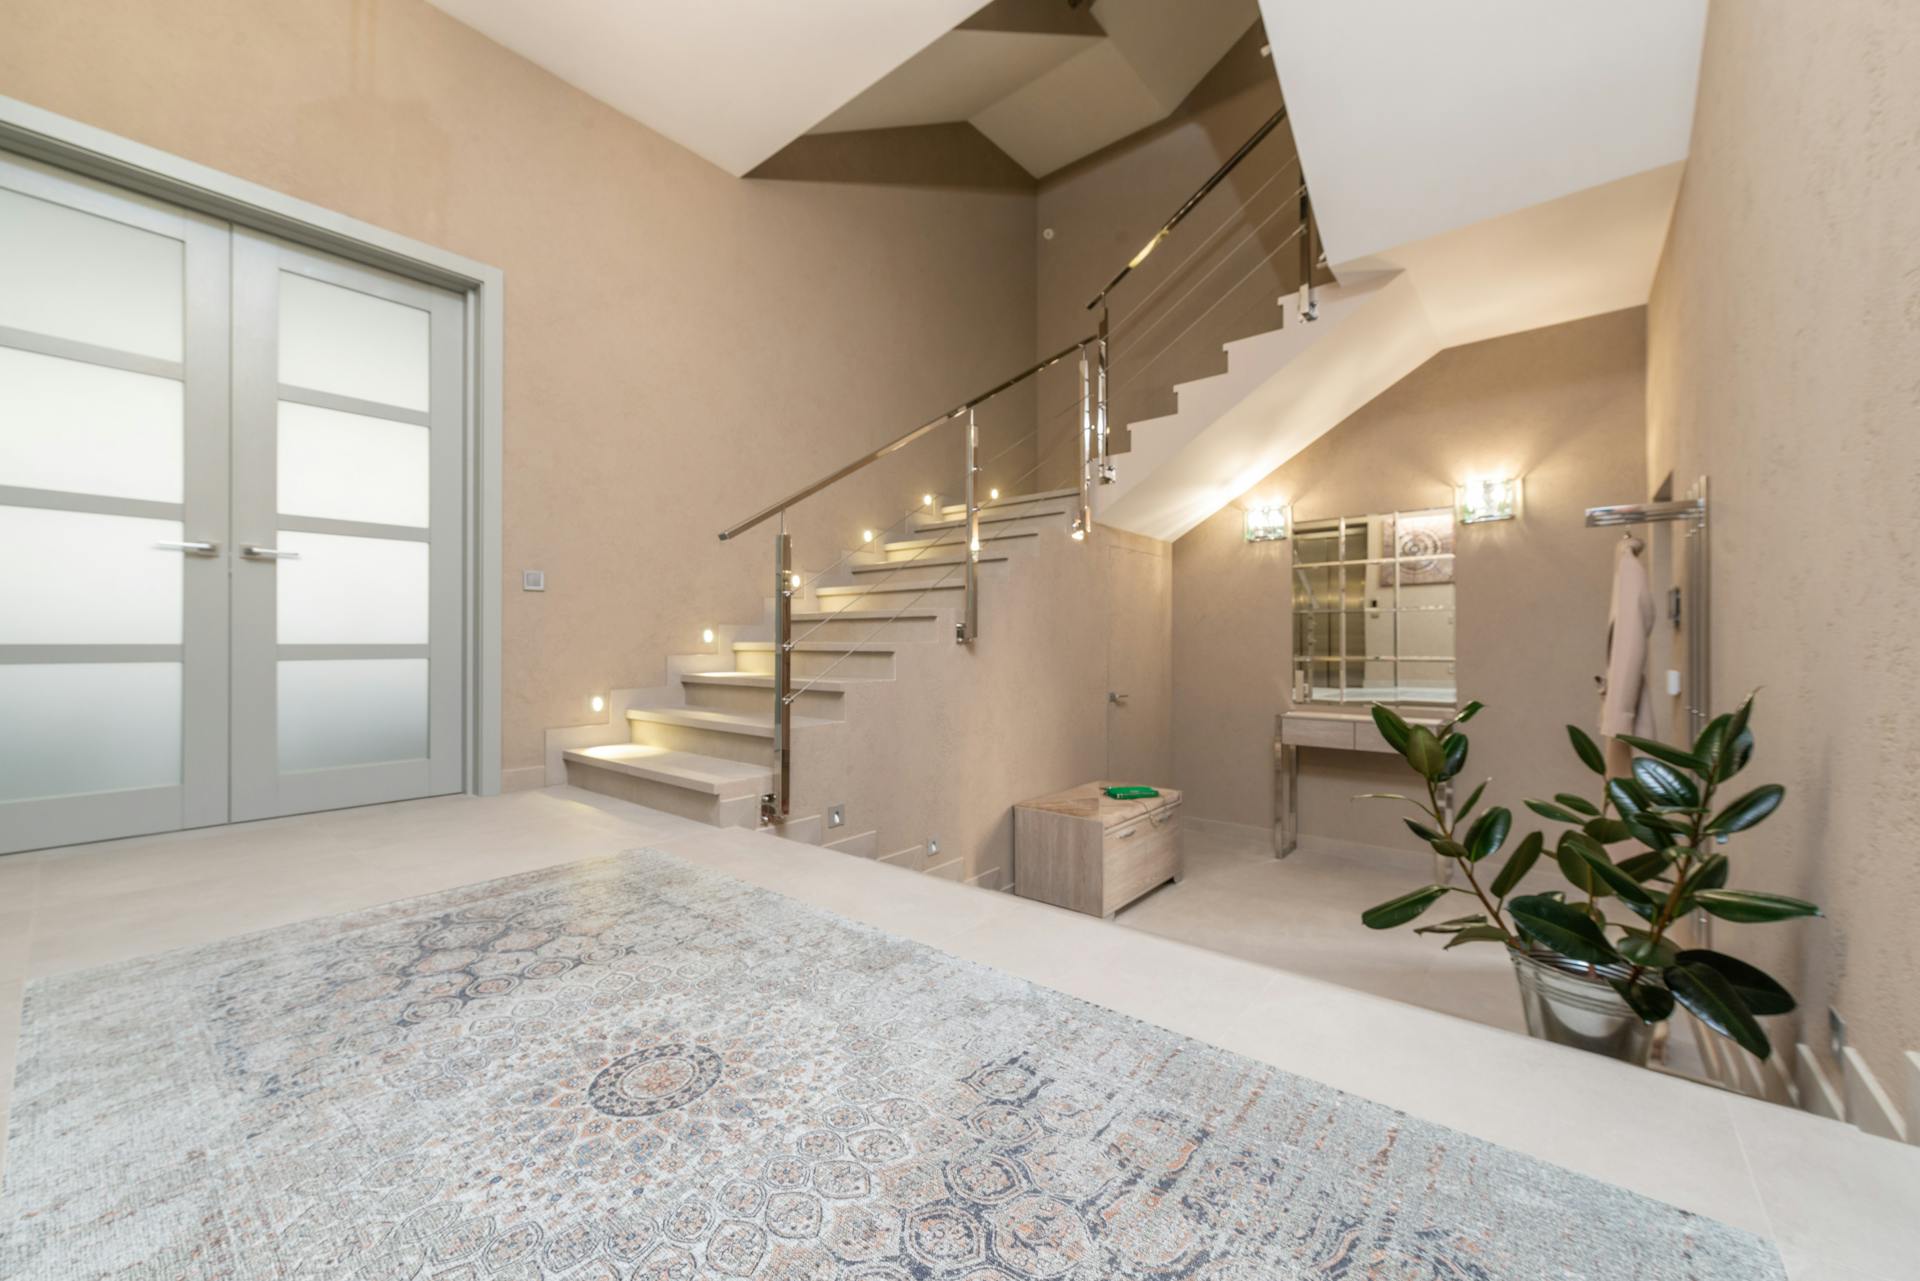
column 113, row 512
column 347, row 465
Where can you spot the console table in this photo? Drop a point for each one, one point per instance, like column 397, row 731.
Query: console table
column 1326, row 731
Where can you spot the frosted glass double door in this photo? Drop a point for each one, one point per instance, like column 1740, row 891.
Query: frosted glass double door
column 231, row 522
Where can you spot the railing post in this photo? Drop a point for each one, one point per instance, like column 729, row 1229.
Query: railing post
column 1084, row 521
column 1104, row 469
column 1309, row 304
column 774, row 805
column 969, row 625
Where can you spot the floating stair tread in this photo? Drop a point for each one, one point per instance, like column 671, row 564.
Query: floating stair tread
column 823, row 647
column 724, row 722
column 869, row 616
column 997, row 518
column 922, row 562
column 727, row 780
column 876, row 589
column 995, row 504
column 764, row 680
column 910, row 544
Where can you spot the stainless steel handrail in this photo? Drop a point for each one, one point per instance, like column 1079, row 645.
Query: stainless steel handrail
column 901, row 442
column 1180, row 214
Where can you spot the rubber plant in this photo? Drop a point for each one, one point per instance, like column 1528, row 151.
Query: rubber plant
column 1671, row 808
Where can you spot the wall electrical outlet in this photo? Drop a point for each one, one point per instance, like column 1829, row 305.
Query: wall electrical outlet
column 533, row 580
column 1836, row 1035
column 933, row 847
column 837, row 816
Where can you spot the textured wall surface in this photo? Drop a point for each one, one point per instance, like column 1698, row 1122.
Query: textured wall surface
column 682, row 347
column 1561, row 407
column 1784, row 362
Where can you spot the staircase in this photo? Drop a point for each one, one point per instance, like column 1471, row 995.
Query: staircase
column 873, row 657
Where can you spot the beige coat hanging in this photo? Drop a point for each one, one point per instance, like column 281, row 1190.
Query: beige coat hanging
column 1626, row 706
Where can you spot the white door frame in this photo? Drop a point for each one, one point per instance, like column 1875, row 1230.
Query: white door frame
column 93, row 153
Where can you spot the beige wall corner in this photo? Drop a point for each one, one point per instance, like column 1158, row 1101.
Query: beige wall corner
column 1783, row 358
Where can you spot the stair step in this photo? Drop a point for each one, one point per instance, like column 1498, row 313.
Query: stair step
column 813, row 658
column 753, row 692
column 1012, row 500
column 884, row 589
column 710, row 775
column 748, row 724
column 761, row 680
column 996, row 518
column 914, row 544
column 924, row 562
column 868, row 615
column 819, row 647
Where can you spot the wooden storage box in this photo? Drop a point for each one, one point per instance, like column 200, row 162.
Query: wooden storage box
column 1085, row 851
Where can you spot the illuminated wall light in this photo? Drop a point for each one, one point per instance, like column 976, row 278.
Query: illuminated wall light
column 1487, row 498
column 926, row 500
column 866, row 535
column 993, row 495
column 706, row 636
column 796, row 582
column 598, row 703
column 1079, row 535
column 1266, row 523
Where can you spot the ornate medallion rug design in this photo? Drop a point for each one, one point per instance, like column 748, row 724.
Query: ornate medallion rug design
column 633, row 1068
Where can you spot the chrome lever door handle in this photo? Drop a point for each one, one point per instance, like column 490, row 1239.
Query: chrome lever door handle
column 266, row 553
column 192, row 549
column 1115, row 697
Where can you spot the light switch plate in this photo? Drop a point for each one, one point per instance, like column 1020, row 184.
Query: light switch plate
column 1673, row 681
column 533, row 580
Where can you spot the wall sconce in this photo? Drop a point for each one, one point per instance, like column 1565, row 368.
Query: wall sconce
column 1484, row 498
column 598, row 703
column 706, row 635
column 1266, row 523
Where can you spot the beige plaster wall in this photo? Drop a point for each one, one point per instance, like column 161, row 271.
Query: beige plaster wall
column 1784, row 362
column 682, row 346
column 1217, row 278
column 1563, row 408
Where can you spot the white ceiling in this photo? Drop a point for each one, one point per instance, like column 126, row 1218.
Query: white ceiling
column 733, row 82
column 1415, row 118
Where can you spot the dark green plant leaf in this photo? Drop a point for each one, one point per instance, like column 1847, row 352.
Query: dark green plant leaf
column 1752, row 908
column 1448, row 849
column 1601, row 866
column 1562, row 928
column 1548, row 810
column 1607, row 831
column 1455, row 750
column 1758, row 990
column 1644, row 867
column 1650, row 1001
column 1473, row 799
column 1710, row 874
column 1519, row 863
column 1391, row 727
column 1476, row 934
column 1711, row 748
column 1748, row 810
column 1575, row 867
column 1664, row 783
column 1470, row 711
column 1667, row 753
column 1737, row 723
column 1403, row 909
column 1424, row 752
column 1421, row 830
column 1578, row 804
column 1489, row 833
column 1643, row 949
column 1448, row 927
column 1584, row 748
column 1713, row 1001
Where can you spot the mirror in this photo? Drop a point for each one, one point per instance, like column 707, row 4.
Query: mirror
column 1373, row 610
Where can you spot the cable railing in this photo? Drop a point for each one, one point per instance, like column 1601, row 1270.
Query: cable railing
column 1092, row 355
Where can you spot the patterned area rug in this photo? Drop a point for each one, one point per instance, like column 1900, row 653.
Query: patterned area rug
column 633, row 1068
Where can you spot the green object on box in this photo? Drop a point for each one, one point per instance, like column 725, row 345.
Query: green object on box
column 1131, row 793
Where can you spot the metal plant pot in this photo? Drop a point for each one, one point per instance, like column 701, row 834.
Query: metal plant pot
column 1570, row 1003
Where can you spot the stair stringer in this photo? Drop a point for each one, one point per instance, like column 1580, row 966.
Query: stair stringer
column 1282, row 391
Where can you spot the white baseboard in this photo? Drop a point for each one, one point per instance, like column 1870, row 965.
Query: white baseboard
column 1867, row 1104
